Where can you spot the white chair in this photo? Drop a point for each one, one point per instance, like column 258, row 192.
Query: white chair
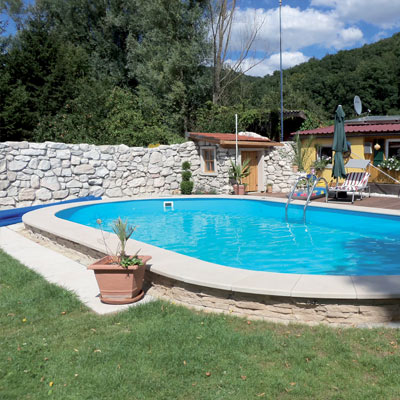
column 356, row 182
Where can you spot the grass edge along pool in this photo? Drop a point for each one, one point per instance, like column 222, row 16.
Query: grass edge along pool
column 254, row 234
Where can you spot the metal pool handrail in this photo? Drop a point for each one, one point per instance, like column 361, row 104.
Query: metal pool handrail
column 311, row 192
column 293, row 190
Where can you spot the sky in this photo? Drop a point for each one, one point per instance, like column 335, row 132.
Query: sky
column 310, row 28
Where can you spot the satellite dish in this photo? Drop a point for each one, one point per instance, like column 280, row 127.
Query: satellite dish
column 357, row 105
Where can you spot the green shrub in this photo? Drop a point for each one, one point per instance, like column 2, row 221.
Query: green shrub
column 186, row 184
column 186, row 175
column 186, row 165
column 186, row 187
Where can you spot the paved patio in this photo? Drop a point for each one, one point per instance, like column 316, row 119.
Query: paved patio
column 385, row 202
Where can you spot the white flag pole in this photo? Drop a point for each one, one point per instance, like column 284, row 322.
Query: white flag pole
column 236, row 127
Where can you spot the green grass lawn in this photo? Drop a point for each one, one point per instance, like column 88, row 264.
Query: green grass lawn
column 52, row 346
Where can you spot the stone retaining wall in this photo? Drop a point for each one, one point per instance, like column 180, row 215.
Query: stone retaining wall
column 36, row 173
column 275, row 308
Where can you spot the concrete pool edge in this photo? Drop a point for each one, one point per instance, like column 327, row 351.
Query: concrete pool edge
column 196, row 272
column 336, row 301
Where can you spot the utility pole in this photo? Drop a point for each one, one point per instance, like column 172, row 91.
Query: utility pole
column 280, row 54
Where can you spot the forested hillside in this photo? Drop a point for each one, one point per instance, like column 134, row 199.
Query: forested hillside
column 371, row 72
column 138, row 72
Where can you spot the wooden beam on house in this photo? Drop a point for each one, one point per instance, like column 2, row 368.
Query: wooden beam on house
column 248, row 144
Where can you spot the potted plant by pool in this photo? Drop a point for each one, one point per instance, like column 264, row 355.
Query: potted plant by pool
column 120, row 277
column 238, row 172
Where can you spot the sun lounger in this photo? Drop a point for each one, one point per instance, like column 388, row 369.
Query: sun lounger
column 355, row 183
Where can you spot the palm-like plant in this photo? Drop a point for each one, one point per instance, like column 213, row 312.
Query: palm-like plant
column 300, row 151
column 124, row 231
column 239, row 171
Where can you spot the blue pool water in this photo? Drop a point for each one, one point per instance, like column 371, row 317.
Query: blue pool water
column 253, row 234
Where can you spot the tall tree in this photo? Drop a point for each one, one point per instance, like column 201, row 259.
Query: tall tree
column 167, row 60
column 40, row 71
column 221, row 15
column 101, row 27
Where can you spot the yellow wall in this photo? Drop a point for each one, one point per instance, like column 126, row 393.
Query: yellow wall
column 357, row 148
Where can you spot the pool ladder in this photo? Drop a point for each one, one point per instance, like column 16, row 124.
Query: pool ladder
column 309, row 194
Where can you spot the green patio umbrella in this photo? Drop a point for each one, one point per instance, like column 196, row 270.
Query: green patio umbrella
column 339, row 144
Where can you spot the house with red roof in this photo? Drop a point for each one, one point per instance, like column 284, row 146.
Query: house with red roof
column 373, row 138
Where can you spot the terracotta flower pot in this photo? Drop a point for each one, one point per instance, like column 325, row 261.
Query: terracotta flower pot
column 269, row 189
column 119, row 285
column 295, row 168
column 239, row 189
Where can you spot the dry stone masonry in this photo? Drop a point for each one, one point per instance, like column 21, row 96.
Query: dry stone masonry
column 336, row 312
column 36, row 173
column 278, row 168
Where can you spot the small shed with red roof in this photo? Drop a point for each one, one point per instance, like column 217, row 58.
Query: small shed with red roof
column 216, row 148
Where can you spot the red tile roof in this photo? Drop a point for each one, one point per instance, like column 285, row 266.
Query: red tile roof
column 226, row 136
column 376, row 128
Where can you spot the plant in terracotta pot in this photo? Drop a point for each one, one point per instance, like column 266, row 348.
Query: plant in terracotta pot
column 269, row 187
column 120, row 277
column 238, row 172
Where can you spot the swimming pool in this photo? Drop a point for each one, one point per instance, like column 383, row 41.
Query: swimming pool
column 255, row 235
